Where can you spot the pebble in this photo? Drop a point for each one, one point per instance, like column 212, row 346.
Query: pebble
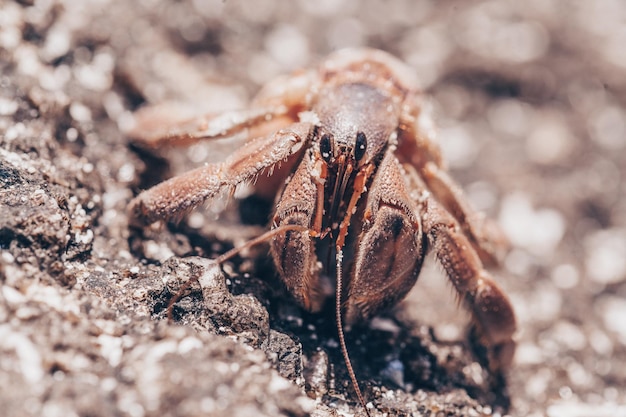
column 111, row 349
column 613, row 310
column 605, row 256
column 8, row 107
column 550, row 142
column 29, row 358
column 569, row 335
column 80, row 112
column 565, row 276
column 537, row 230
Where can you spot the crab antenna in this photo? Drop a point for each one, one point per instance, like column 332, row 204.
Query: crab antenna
column 342, row 340
column 231, row 254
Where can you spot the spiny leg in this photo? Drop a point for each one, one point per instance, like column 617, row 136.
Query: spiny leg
column 492, row 311
column 157, row 127
column 173, row 198
column 485, row 236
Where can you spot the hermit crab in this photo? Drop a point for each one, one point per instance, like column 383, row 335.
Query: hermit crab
column 362, row 193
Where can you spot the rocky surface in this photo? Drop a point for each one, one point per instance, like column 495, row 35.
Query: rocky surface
column 530, row 98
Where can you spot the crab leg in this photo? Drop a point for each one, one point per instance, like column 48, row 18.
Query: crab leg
column 173, row 198
column 485, row 236
column 156, row 127
column 493, row 314
column 492, row 311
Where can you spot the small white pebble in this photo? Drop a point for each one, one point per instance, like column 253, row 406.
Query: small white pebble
column 12, row 296
column 72, row 134
column 605, row 258
column 528, row 354
column 537, row 230
column 613, row 310
column 195, row 220
column 160, row 252
column 537, row 384
column 126, row 172
column 93, row 78
column 111, row 348
column 544, row 303
column 10, row 37
column 29, row 358
column 57, row 42
column 7, row 107
column 159, row 350
column 188, row 344
column 108, row 384
column 565, row 392
column 600, row 342
column 565, row 276
column 579, row 376
column 84, row 238
column 55, row 80
column 80, row 112
column 7, row 257
column 550, row 142
column 569, row 335
column 278, row 383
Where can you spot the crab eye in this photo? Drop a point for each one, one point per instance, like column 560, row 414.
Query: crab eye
column 326, row 147
column 360, row 146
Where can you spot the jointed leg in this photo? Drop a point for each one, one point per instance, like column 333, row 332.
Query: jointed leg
column 485, row 236
column 492, row 311
column 493, row 314
column 174, row 198
column 156, row 126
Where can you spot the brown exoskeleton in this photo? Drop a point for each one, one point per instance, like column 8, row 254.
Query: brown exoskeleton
column 365, row 187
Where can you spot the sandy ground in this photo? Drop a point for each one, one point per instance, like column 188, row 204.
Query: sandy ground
column 530, row 99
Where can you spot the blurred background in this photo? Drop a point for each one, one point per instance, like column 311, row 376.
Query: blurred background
column 530, row 102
